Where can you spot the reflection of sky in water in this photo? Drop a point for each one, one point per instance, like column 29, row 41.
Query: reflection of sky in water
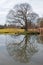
column 2, row 40
column 5, row 59
column 14, row 38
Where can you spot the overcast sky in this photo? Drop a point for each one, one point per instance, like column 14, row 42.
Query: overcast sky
column 6, row 5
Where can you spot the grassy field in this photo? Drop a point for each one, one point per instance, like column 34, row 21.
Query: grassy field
column 17, row 31
column 11, row 31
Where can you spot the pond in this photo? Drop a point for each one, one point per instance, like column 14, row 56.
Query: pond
column 21, row 50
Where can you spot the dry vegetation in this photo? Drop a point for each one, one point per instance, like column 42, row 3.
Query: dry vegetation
column 11, row 30
column 15, row 31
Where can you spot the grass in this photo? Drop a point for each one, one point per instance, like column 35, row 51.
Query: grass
column 26, row 32
column 11, row 31
column 17, row 31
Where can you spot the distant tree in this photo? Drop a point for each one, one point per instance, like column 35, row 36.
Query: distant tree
column 5, row 25
column 21, row 14
column 40, row 22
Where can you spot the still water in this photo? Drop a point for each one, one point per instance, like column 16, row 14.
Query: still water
column 21, row 50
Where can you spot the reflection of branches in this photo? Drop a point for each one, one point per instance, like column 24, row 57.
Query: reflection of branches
column 22, row 51
column 40, row 39
column 13, row 36
column 19, row 43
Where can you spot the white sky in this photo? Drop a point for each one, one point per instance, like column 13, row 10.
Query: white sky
column 6, row 5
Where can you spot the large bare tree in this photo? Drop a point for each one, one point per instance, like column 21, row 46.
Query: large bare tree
column 21, row 14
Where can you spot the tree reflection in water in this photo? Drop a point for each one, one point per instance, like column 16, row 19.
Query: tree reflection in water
column 40, row 39
column 24, row 50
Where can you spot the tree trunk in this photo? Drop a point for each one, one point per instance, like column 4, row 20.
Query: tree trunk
column 26, row 29
column 26, row 23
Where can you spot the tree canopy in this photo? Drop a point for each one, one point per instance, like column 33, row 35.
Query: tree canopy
column 21, row 14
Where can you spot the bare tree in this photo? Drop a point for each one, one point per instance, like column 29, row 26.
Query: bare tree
column 21, row 14
column 40, row 22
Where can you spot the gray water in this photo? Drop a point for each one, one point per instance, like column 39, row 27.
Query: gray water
column 21, row 50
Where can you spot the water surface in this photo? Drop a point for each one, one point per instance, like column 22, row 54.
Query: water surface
column 21, row 50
